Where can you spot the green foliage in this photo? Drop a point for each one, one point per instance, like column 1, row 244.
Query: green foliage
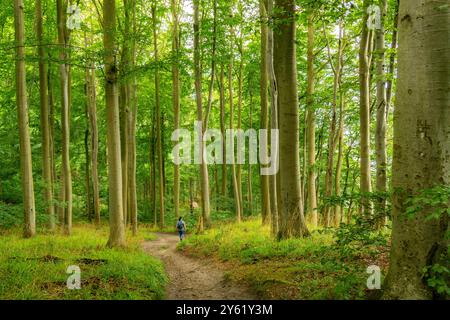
column 36, row 268
column 360, row 236
column 434, row 202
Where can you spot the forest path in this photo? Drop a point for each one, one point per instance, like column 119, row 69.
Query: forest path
column 190, row 278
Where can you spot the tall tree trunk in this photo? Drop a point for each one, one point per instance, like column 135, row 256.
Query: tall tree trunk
column 249, row 169
column 153, row 170
column 421, row 155
column 239, row 121
column 87, row 165
column 334, row 134
column 222, row 129
column 176, row 98
column 381, row 103
column 94, row 142
column 51, row 129
column 159, row 147
column 45, row 129
column 24, row 131
column 273, row 179
column 292, row 222
column 116, row 225
column 311, row 125
column 205, row 216
column 337, row 215
column 66, row 175
column 125, row 105
column 132, row 192
column 237, row 200
column 264, row 125
column 392, row 61
column 364, row 109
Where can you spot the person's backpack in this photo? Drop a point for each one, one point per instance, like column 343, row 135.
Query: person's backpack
column 180, row 225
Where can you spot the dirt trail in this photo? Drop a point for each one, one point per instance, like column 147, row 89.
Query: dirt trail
column 192, row 279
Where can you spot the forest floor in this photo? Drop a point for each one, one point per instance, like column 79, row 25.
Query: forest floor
column 193, row 278
column 37, row 268
column 295, row 269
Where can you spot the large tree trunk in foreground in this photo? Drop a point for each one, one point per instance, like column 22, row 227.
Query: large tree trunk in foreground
column 24, row 131
column 45, row 128
column 421, row 145
column 116, row 225
column 292, row 220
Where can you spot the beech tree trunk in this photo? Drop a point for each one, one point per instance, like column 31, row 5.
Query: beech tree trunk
column 264, row 119
column 116, row 223
column 66, row 175
column 237, row 200
column 292, row 220
column 24, row 131
column 364, row 110
column 158, row 123
column 273, row 179
column 381, row 104
column 205, row 217
column 222, row 129
column 421, row 145
column 132, row 192
column 311, row 127
column 44, row 117
column 176, row 98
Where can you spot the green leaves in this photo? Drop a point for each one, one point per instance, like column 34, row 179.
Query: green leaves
column 435, row 201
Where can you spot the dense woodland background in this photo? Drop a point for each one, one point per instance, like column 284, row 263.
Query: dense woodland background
column 91, row 92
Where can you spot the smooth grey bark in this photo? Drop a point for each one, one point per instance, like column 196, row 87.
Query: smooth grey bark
column 421, row 157
column 44, row 119
column 116, row 223
column 24, row 131
column 264, row 119
column 292, row 221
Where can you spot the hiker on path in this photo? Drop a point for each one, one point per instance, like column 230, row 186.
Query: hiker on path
column 181, row 227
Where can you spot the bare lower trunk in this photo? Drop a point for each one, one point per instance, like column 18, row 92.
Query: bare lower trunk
column 364, row 116
column 116, row 225
column 311, row 127
column 237, row 200
column 292, row 222
column 66, row 175
column 176, row 99
column 24, row 133
column 205, row 216
column 273, row 189
column 381, row 103
column 265, row 196
column 222, row 129
column 94, row 144
column 158, row 124
column 45, row 128
column 421, row 146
